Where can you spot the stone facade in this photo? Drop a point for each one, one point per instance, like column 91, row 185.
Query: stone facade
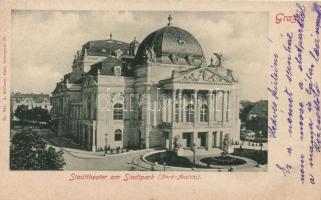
column 160, row 93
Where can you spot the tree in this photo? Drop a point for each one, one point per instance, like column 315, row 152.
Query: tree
column 29, row 152
column 258, row 124
column 245, row 112
column 21, row 112
column 36, row 114
column 40, row 115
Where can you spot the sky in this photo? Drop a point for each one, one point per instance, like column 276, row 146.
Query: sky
column 44, row 42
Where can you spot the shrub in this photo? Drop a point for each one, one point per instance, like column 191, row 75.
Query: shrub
column 29, row 152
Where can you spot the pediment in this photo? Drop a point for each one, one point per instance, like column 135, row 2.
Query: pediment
column 202, row 75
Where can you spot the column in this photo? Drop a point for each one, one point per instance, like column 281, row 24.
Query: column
column 223, row 104
column 237, row 107
column 89, row 135
column 79, row 133
column 168, row 113
column 83, row 136
column 173, row 105
column 164, row 111
column 227, row 117
column 147, row 125
column 195, row 107
column 210, row 108
column 170, row 140
column 214, row 140
column 155, row 110
column 231, row 106
column 184, row 110
column 215, row 105
column 209, row 140
column 179, row 105
column 94, row 137
column 221, row 139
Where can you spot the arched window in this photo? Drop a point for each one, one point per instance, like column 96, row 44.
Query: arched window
column 117, row 70
column 118, row 111
column 204, row 113
column 190, row 113
column 118, row 135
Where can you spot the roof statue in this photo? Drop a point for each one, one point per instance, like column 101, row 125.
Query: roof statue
column 75, row 59
column 85, row 53
column 169, row 20
column 220, row 59
column 150, row 54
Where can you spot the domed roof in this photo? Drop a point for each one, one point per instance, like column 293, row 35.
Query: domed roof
column 134, row 42
column 105, row 47
column 170, row 41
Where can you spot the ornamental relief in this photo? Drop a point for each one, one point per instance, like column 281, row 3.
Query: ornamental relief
column 190, row 60
column 202, row 76
column 117, row 97
column 174, row 58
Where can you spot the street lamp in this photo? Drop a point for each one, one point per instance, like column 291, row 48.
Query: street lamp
column 106, row 143
column 60, row 140
column 260, row 159
column 261, row 145
column 194, row 151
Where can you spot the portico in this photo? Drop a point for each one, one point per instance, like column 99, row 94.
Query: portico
column 200, row 107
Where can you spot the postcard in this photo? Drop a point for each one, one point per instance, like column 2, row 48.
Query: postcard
column 160, row 100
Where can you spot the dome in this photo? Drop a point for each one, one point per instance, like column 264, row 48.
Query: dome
column 170, row 44
column 105, row 47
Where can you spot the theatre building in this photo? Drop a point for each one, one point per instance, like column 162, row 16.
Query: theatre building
column 158, row 93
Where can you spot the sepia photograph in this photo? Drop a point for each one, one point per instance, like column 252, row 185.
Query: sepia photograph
column 139, row 91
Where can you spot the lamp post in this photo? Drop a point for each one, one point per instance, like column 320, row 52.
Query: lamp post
column 261, row 145
column 106, row 143
column 194, row 151
column 60, row 140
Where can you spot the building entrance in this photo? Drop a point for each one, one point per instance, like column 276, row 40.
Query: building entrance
column 202, row 136
column 187, row 139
